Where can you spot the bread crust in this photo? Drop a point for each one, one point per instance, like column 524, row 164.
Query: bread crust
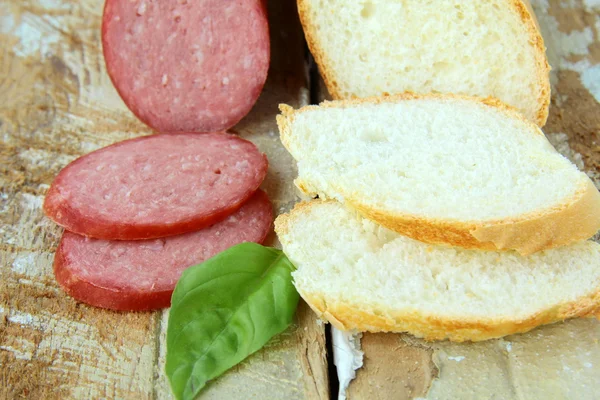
column 365, row 318
column 521, row 7
column 527, row 15
column 572, row 221
column 346, row 316
column 577, row 218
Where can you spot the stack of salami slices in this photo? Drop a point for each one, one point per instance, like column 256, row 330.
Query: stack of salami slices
column 139, row 212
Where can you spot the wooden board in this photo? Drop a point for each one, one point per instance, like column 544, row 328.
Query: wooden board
column 57, row 103
column 554, row 362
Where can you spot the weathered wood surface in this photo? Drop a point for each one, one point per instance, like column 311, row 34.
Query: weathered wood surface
column 57, row 103
column 561, row 361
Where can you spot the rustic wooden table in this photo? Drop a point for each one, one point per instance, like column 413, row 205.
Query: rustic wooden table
column 57, row 103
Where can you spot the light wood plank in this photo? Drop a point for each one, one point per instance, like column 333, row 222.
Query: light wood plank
column 56, row 103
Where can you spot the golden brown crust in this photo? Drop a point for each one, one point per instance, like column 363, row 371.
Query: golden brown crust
column 316, row 50
column 525, row 11
column 574, row 220
column 288, row 113
column 521, row 7
column 364, row 318
column 347, row 316
column 569, row 222
column 427, row 230
column 566, row 223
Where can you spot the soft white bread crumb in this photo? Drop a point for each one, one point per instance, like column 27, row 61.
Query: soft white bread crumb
column 478, row 48
column 443, row 169
column 359, row 275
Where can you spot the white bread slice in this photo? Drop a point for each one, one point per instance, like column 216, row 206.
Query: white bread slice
column 443, row 169
column 360, row 276
column 489, row 48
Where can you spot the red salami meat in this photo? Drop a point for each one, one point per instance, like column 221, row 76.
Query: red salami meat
column 187, row 65
column 156, row 186
column 141, row 275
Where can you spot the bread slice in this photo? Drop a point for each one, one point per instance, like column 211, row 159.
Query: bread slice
column 443, row 169
column 360, row 276
column 478, row 48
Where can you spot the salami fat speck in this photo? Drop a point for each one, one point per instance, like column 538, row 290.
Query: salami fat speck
column 156, row 186
column 141, row 275
column 193, row 66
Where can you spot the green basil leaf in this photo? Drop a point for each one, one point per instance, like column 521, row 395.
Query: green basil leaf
column 225, row 309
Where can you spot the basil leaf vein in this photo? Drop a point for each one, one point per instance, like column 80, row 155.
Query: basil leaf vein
column 225, row 309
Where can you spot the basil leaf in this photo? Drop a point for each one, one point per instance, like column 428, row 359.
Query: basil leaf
column 225, row 309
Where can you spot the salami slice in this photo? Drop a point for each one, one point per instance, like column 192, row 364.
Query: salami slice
column 141, row 275
column 193, row 66
column 155, row 186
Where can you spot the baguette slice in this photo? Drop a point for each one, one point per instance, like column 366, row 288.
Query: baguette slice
column 361, row 276
column 478, row 48
column 443, row 169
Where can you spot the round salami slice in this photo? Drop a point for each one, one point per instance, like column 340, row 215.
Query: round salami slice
column 156, row 186
column 141, row 275
column 193, row 66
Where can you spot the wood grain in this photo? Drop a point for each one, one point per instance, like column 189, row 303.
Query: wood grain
column 57, row 103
